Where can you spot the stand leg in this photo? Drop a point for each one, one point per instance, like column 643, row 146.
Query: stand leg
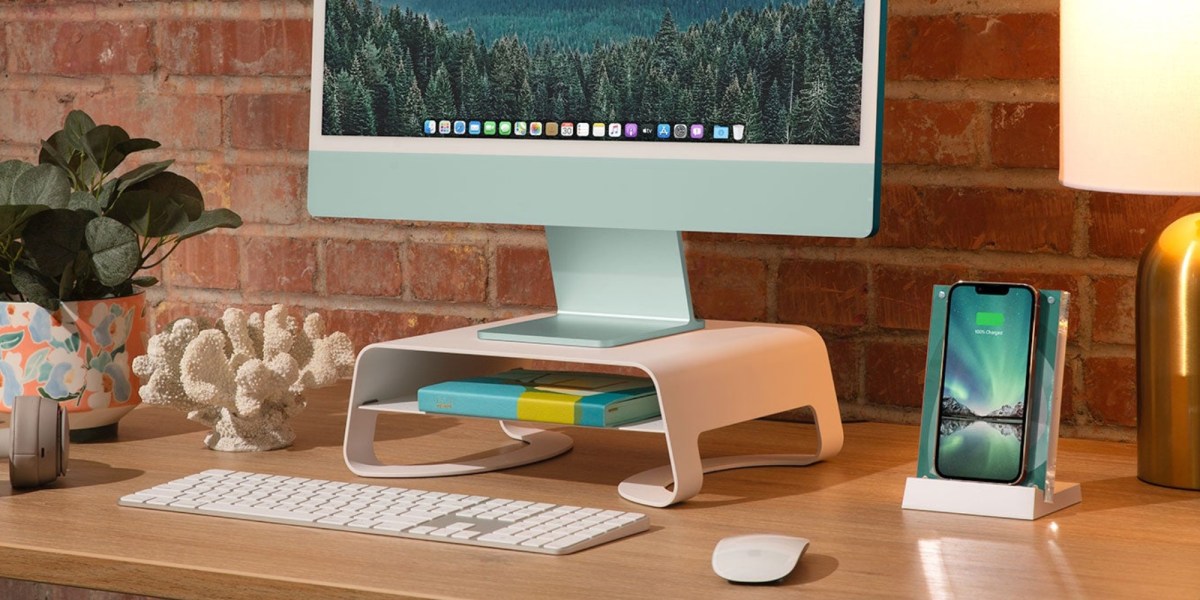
column 687, row 470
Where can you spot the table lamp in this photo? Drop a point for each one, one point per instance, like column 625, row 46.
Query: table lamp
column 1130, row 98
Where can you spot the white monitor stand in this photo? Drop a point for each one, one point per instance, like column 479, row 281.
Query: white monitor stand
column 624, row 300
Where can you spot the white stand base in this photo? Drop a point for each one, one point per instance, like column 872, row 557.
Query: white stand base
column 721, row 375
column 987, row 499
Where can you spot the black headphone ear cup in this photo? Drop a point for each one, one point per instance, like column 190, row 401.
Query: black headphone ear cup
column 39, row 439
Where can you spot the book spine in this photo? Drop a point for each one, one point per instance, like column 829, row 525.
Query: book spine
column 547, row 407
column 464, row 402
column 611, row 413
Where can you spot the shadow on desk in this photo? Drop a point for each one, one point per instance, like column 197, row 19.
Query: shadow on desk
column 80, row 474
column 1125, row 492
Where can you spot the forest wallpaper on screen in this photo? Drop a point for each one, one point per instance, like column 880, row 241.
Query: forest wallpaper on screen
column 791, row 71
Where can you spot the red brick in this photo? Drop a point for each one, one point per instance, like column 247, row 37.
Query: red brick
column 280, row 265
column 895, row 374
column 275, row 195
column 3, row 53
column 205, row 313
column 363, row 268
column 1123, row 225
column 956, row 46
column 904, row 295
column 822, row 293
column 1114, row 318
column 368, row 327
column 250, row 47
column 270, row 121
column 1019, row 220
column 843, row 360
column 79, row 48
column 448, row 272
column 523, row 276
column 206, row 261
column 1111, row 385
column 931, row 133
column 726, row 287
column 178, row 122
column 1025, row 135
column 29, row 117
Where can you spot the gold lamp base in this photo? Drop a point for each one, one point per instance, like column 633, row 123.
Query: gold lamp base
column 1168, row 357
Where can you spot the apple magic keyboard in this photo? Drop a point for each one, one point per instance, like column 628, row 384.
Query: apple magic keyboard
column 418, row 514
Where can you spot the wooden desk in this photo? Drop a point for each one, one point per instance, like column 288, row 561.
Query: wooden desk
column 1127, row 539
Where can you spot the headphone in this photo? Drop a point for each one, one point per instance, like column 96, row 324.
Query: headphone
column 36, row 443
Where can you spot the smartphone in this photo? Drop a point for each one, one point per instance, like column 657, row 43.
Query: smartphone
column 986, row 384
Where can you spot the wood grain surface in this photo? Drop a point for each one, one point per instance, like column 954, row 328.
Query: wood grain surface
column 1127, row 538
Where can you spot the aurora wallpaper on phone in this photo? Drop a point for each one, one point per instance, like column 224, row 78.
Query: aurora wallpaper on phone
column 981, row 423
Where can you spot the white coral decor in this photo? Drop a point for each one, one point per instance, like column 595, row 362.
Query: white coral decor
column 246, row 378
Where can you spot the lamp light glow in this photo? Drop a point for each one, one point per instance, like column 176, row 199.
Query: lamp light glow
column 1130, row 96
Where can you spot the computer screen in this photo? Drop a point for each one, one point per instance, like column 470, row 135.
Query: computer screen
column 745, row 116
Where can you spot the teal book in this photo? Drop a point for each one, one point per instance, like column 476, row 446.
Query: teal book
column 567, row 397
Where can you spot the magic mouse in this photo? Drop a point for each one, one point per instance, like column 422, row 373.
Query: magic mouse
column 757, row 558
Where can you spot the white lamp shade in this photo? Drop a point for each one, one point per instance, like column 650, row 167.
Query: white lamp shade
column 1130, row 96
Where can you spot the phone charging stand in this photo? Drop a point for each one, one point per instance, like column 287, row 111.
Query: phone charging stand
column 987, row 499
column 1039, row 494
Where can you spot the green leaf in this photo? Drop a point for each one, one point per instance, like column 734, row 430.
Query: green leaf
column 149, row 213
column 212, row 219
column 145, row 282
column 108, row 192
column 9, row 171
column 9, row 341
column 54, row 152
column 142, row 173
column 54, row 238
column 14, row 217
column 85, row 201
column 115, row 251
column 66, row 283
column 44, row 184
column 137, row 145
column 101, row 146
column 75, row 130
column 178, row 189
column 32, row 289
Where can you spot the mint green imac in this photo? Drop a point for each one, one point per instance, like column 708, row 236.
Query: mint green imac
column 616, row 124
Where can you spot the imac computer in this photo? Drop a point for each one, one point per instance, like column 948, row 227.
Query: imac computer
column 616, row 124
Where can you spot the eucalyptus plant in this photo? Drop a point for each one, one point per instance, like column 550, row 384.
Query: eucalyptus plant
column 72, row 230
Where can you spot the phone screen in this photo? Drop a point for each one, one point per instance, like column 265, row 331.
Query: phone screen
column 985, row 382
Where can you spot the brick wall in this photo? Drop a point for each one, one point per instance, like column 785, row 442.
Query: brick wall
column 970, row 191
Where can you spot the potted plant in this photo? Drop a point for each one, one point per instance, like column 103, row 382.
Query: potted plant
column 74, row 239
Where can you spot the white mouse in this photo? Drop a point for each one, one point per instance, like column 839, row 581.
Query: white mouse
column 757, row 558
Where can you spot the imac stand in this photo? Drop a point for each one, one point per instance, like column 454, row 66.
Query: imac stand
column 613, row 286
column 723, row 374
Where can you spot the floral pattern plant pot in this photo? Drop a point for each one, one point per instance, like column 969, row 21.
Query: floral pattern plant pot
column 79, row 355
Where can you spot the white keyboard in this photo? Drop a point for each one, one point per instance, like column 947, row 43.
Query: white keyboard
column 418, row 514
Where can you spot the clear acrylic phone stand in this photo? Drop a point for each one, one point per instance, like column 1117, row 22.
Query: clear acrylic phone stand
column 1039, row 494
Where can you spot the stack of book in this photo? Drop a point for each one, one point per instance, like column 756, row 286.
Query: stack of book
column 591, row 399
